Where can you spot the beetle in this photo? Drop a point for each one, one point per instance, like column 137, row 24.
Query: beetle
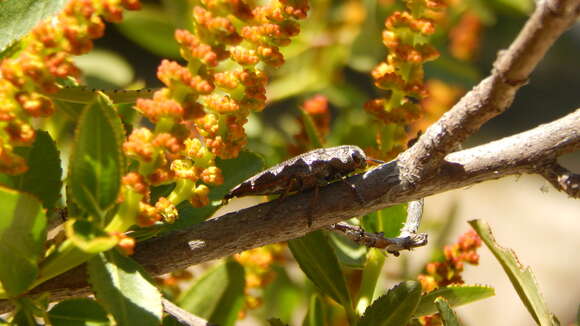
column 306, row 171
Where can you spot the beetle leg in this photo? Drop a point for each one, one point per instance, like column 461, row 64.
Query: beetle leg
column 280, row 199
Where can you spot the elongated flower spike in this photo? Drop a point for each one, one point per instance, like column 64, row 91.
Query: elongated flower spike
column 45, row 56
column 204, row 105
column 406, row 36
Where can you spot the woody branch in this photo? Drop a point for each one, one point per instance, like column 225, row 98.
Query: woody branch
column 493, row 95
column 529, row 152
column 425, row 169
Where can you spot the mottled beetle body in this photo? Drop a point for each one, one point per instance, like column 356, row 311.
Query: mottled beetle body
column 305, row 171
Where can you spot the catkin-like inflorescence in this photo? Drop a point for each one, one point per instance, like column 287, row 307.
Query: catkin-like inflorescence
column 406, row 37
column 205, row 104
column 46, row 55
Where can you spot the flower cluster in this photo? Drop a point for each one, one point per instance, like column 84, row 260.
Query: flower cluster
column 200, row 113
column 465, row 36
column 258, row 266
column 171, row 284
column 441, row 97
column 446, row 272
column 406, row 36
column 45, row 56
column 443, row 273
column 316, row 108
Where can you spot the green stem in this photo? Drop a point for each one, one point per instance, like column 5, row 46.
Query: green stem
column 126, row 214
column 371, row 274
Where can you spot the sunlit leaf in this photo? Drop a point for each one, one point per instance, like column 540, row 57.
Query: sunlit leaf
column 218, row 295
column 18, row 17
column 43, row 177
column 520, row 276
column 315, row 314
column 22, row 233
column 318, row 261
column 88, row 237
column 394, row 308
column 96, row 165
column 124, row 289
column 78, row 312
column 455, row 295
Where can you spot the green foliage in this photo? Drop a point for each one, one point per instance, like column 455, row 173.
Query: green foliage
column 152, row 29
column 370, row 276
column 97, row 163
column 333, row 56
column 124, row 289
column 455, row 295
column 78, row 312
column 318, row 261
column 43, row 178
column 22, row 235
column 88, row 237
column 218, row 295
column 520, row 276
column 18, row 17
column 447, row 314
column 349, row 253
column 394, row 308
column 315, row 314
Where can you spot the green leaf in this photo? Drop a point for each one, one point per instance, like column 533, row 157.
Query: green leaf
column 152, row 29
column 348, row 252
column 370, row 276
column 218, row 295
column 24, row 318
column 364, row 50
column 22, row 234
column 389, row 220
column 78, row 312
column 43, row 178
column 96, row 165
column 447, row 314
column 89, row 237
column 124, row 289
column 315, row 314
column 18, row 17
column 317, row 259
column 520, row 276
column 456, row 295
column 283, row 296
column 105, row 69
column 394, row 308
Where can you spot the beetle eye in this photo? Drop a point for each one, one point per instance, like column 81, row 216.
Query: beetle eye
column 358, row 160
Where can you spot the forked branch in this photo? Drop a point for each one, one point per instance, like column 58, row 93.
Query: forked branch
column 425, row 169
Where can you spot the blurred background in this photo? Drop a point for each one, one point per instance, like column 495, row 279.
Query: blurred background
column 339, row 45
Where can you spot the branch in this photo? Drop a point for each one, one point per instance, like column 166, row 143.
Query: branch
column 495, row 93
column 277, row 221
column 562, row 179
column 425, row 169
column 182, row 316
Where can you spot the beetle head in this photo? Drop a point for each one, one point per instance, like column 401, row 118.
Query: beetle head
column 359, row 159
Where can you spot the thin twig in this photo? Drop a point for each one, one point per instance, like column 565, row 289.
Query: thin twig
column 253, row 227
column 494, row 94
column 182, row 316
column 562, row 179
column 378, row 240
